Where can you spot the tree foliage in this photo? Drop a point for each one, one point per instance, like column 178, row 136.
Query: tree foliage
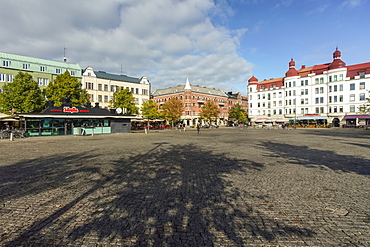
column 66, row 85
column 21, row 95
column 210, row 111
column 172, row 110
column 237, row 112
column 149, row 110
column 124, row 99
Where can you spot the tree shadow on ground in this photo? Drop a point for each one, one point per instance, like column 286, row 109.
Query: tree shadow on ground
column 314, row 157
column 170, row 195
column 340, row 133
column 34, row 176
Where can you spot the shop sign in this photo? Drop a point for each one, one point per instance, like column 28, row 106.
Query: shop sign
column 70, row 109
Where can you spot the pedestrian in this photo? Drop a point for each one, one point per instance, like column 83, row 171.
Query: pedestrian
column 198, row 129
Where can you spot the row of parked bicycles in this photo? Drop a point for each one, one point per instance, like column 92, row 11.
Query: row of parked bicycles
column 16, row 133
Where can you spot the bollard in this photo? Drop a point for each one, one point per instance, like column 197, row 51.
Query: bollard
column 92, row 133
column 11, row 136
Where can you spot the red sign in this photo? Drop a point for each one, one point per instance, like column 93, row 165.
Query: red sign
column 70, row 109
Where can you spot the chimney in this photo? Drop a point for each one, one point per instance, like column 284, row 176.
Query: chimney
column 303, row 66
column 66, row 101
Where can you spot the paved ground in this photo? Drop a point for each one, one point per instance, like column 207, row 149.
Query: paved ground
column 224, row 187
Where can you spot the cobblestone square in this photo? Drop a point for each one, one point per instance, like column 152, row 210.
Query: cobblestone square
column 222, row 187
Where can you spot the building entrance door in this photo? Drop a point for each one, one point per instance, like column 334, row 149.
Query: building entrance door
column 336, row 122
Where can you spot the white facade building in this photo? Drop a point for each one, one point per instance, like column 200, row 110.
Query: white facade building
column 332, row 90
column 101, row 86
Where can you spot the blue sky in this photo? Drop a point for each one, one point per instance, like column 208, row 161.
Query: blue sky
column 215, row 43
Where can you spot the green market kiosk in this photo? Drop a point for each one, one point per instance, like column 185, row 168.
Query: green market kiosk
column 71, row 120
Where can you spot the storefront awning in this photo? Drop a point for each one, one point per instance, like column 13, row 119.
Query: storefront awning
column 357, row 116
column 312, row 118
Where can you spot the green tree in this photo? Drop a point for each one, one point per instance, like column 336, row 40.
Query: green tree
column 365, row 108
column 172, row 110
column 124, row 99
column 21, row 95
column 66, row 85
column 210, row 111
column 237, row 112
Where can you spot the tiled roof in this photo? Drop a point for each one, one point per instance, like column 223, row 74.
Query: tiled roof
column 194, row 89
column 124, row 78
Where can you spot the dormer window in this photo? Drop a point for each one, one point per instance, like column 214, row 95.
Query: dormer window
column 362, row 74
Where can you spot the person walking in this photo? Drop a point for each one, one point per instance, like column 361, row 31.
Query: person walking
column 198, row 128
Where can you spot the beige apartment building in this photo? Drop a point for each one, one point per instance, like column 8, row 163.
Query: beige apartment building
column 101, row 86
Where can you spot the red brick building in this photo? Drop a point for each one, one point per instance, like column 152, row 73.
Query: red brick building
column 194, row 97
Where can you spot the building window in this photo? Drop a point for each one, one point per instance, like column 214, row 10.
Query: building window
column 352, row 86
column 340, row 108
column 10, row 78
column 306, row 91
column 91, row 97
column 100, row 87
column 105, row 98
column 42, row 68
column 340, row 98
column 46, row 82
column 330, row 99
column 321, row 80
column 316, row 90
column 321, row 89
column 351, row 97
column 329, row 89
column 58, row 71
column 362, row 85
column 112, row 88
column 316, row 81
column 362, row 74
column 362, row 96
column 105, row 87
column 302, row 91
column 26, row 66
column 341, row 77
column 306, row 82
column 352, row 108
column 137, row 91
column 341, row 87
column 2, row 77
column 321, row 100
column 100, row 98
column 335, row 88
column 335, row 78
column 335, row 98
column 73, row 73
column 317, row 100
column 40, row 81
column 317, row 110
column 6, row 63
column 335, row 109
column 330, row 78
column 89, row 85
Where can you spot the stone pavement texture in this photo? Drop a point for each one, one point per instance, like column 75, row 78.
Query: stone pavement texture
column 223, row 187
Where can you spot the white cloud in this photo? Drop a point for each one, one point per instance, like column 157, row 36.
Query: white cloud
column 352, row 3
column 166, row 40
